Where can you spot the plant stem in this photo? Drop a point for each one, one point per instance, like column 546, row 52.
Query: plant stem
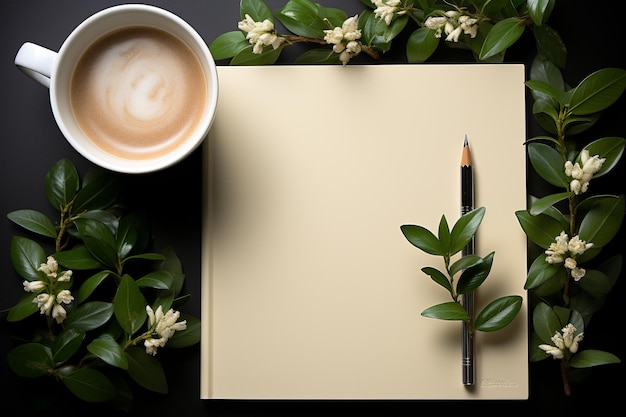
column 566, row 386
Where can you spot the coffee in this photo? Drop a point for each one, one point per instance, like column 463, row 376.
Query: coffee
column 138, row 93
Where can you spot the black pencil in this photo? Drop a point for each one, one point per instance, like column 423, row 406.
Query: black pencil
column 467, row 300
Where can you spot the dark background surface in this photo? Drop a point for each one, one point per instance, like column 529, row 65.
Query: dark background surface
column 32, row 143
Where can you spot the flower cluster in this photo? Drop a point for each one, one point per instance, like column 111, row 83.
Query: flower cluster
column 565, row 250
column 386, row 9
column 582, row 175
column 345, row 39
column 452, row 23
column 49, row 297
column 566, row 340
column 162, row 326
column 260, row 34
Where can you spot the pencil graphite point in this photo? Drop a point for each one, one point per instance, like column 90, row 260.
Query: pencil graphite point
column 466, row 158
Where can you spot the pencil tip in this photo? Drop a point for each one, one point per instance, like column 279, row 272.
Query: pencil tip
column 466, row 159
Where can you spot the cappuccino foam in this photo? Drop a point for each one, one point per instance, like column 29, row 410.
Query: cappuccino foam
column 138, row 93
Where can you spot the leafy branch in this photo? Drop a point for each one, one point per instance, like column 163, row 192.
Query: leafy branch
column 100, row 292
column 472, row 271
column 570, row 235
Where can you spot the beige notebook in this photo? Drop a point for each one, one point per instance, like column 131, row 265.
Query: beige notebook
column 310, row 290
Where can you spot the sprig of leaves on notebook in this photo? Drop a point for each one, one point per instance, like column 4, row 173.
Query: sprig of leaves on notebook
column 463, row 275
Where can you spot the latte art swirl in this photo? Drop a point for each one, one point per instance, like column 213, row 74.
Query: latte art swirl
column 138, row 93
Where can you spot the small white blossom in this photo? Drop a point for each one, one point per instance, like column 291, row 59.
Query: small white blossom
column 554, row 351
column 385, row 9
column 65, row 297
column 578, row 273
column 164, row 325
column 345, row 39
column 453, row 23
column 436, row 23
column 59, row 313
column 33, row 286
column 260, row 34
column 564, row 250
column 581, row 176
column 48, row 302
column 566, row 340
column 44, row 302
column 50, row 267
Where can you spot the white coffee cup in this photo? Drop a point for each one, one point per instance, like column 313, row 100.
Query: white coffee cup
column 56, row 71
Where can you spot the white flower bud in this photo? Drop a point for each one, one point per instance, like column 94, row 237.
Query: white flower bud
column 33, row 286
column 578, row 273
column 64, row 296
column 59, row 313
column 552, row 350
column 570, row 263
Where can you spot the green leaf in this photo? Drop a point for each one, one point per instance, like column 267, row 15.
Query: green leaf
column 542, row 69
column 474, row 276
column 305, row 18
column 548, row 163
column 228, row 44
column 603, row 221
column 67, row 344
column 30, row 360
column 541, row 228
column 89, row 385
column 540, row 271
column 100, row 190
column 596, row 283
column 318, row 56
column 146, row 370
column 129, row 305
column 24, row 308
column 502, row 35
column 592, row 357
column 550, row 44
column 107, row 349
column 543, row 90
column 464, row 229
column 447, row 311
column 611, row 148
column 420, row 45
column 548, row 201
column 133, row 234
column 79, row 258
column 536, row 10
column 172, row 264
column 598, row 91
column 188, row 337
column 99, row 240
column 90, row 285
column 423, row 239
column 444, row 233
column 33, row 221
column 498, row 313
column 62, row 182
column 26, row 257
column 161, row 280
column 377, row 34
column 438, row 277
column 257, row 9
column 464, row 262
column 247, row 57
column 545, row 322
column 89, row 316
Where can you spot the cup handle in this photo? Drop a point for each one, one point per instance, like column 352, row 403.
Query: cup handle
column 36, row 62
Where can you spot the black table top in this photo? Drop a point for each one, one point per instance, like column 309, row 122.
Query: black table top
column 33, row 143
